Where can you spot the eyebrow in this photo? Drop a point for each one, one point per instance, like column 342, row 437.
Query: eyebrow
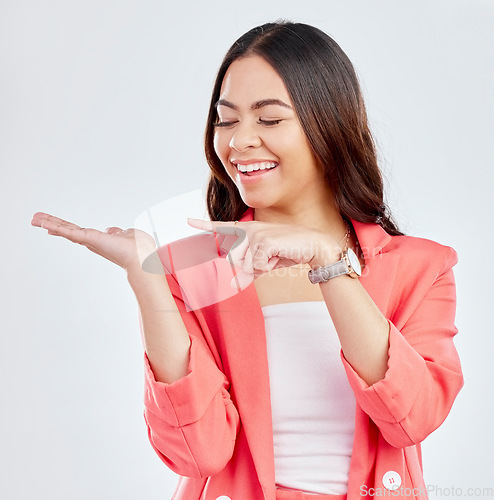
column 255, row 105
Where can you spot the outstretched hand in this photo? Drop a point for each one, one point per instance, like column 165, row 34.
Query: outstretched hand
column 125, row 247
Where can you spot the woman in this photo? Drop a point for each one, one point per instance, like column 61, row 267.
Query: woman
column 320, row 377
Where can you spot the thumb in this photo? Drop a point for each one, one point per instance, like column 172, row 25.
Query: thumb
column 113, row 230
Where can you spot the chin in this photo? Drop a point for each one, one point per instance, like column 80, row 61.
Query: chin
column 256, row 202
column 259, row 198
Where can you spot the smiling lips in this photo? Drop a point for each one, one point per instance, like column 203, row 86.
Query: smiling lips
column 255, row 169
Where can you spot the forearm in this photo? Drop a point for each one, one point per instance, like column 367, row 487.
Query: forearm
column 362, row 328
column 165, row 337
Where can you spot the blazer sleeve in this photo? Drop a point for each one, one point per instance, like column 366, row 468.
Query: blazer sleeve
column 424, row 374
column 192, row 423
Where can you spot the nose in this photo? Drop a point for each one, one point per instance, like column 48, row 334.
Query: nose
column 245, row 137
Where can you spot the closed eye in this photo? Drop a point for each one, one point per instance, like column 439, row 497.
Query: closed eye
column 224, row 124
column 269, row 123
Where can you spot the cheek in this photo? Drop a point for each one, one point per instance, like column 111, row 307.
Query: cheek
column 298, row 146
column 221, row 148
column 216, row 145
column 289, row 142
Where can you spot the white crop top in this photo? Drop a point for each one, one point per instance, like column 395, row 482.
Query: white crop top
column 313, row 406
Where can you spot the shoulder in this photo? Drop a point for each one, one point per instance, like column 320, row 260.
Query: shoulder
column 406, row 269
column 422, row 252
column 413, row 252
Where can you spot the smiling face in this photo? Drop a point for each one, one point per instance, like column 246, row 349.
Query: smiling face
column 261, row 143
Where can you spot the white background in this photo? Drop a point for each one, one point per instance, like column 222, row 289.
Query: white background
column 102, row 110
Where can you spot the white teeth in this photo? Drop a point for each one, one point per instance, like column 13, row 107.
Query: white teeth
column 251, row 167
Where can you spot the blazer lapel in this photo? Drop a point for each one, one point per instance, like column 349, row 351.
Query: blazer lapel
column 245, row 345
column 379, row 273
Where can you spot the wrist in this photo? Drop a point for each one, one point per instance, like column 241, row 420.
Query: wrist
column 151, row 290
column 327, row 252
column 139, row 277
column 348, row 265
column 146, row 263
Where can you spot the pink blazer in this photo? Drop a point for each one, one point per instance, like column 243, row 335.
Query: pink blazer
column 213, row 427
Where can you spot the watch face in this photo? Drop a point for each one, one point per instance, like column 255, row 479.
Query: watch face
column 354, row 262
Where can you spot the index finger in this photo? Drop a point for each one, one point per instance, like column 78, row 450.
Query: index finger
column 220, row 227
column 205, row 225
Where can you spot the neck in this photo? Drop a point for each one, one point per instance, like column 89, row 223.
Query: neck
column 321, row 217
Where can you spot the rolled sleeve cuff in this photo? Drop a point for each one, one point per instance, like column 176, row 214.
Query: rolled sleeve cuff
column 185, row 400
column 391, row 399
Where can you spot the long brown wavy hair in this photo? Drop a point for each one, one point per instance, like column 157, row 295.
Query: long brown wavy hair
column 326, row 95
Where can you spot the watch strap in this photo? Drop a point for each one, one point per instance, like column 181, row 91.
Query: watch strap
column 327, row 272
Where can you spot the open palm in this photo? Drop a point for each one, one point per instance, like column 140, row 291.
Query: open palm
column 126, row 248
